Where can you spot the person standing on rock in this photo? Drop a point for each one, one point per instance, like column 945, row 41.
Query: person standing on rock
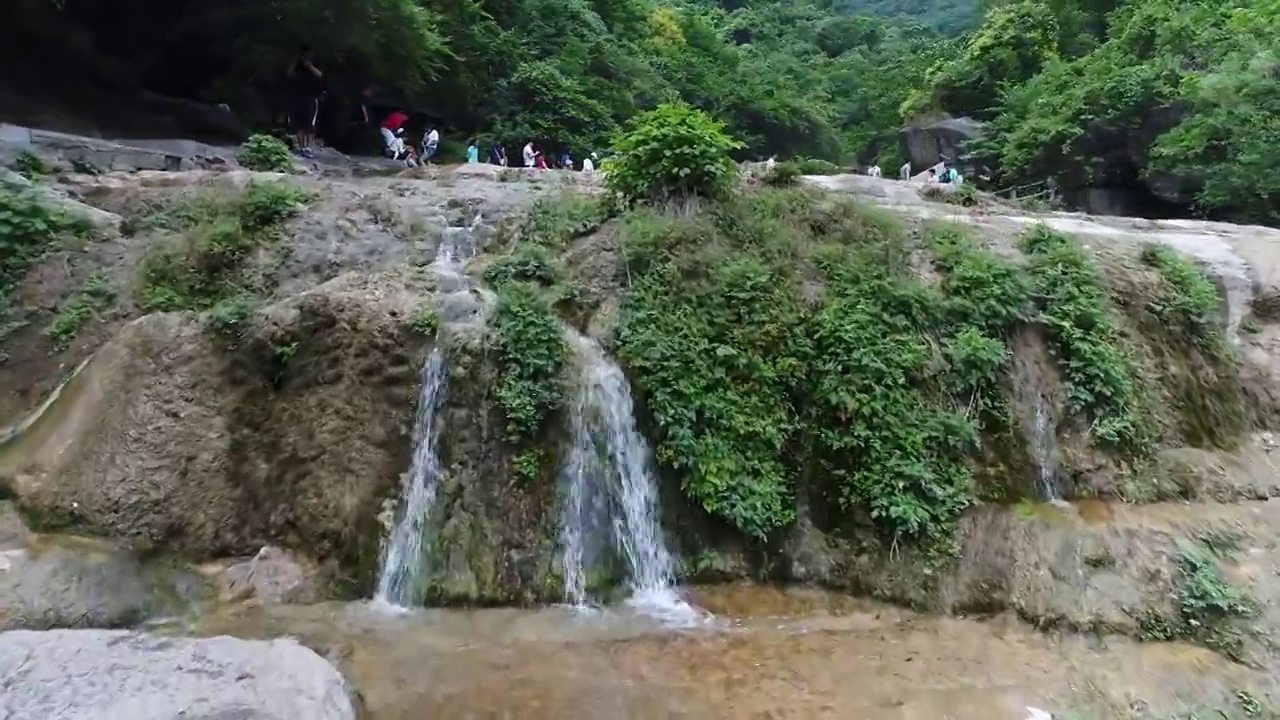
column 430, row 144
column 904, row 172
column 308, row 85
column 473, row 152
column 363, row 119
column 589, row 164
column 529, row 155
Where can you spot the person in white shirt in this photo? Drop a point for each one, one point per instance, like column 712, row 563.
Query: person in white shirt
column 768, row 164
column 874, row 171
column 430, row 144
column 529, row 156
column 904, row 172
column 588, row 164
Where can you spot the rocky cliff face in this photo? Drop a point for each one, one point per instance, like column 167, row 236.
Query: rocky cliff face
column 293, row 427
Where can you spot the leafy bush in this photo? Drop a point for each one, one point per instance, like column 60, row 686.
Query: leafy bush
column 1100, row 375
column 530, row 354
column 1188, row 305
column 230, row 317
column 1208, row 608
column 674, row 151
column 425, row 320
column 80, row 308
column 813, row 166
column 783, row 174
column 28, row 229
column 554, row 221
column 783, row 338
column 265, row 153
column 207, row 262
column 31, row 166
column 530, row 264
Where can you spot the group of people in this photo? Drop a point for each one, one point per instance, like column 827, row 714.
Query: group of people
column 949, row 175
column 392, row 130
column 533, row 157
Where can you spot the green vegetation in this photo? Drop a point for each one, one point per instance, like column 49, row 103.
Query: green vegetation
column 31, row 166
column 29, row 229
column 555, row 221
column 783, row 339
column 1174, row 95
column 425, row 320
column 265, row 153
column 796, row 78
column 1209, row 610
column 1101, row 376
column 230, row 316
column 1187, row 305
column 782, row 175
column 85, row 304
column 672, row 153
column 1181, row 90
column 531, row 354
column 213, row 256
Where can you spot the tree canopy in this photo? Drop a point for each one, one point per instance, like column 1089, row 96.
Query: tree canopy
column 1179, row 96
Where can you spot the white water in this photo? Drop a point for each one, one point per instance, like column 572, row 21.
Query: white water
column 399, row 578
column 611, row 493
column 400, row 574
column 1047, row 480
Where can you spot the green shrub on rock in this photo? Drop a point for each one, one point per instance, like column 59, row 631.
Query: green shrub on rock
column 783, row 174
column 531, row 355
column 265, row 153
column 29, row 228
column 1101, row 376
column 784, row 344
column 211, row 257
column 1188, row 304
column 672, row 152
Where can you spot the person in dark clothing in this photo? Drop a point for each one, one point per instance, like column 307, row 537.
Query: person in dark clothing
column 366, row 129
column 307, row 84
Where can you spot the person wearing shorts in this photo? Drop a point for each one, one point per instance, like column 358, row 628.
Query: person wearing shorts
column 307, row 84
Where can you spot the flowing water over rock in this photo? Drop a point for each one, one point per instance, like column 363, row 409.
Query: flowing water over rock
column 776, row 654
column 1042, row 443
column 398, row 581
column 608, row 476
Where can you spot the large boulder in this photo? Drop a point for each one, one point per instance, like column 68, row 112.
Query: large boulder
column 119, row 675
column 78, row 582
column 927, row 143
column 291, row 433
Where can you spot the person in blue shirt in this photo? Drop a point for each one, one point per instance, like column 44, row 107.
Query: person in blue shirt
column 473, row 151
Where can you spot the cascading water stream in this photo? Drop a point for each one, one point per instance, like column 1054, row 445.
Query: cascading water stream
column 1042, row 438
column 608, row 476
column 398, row 581
column 399, row 578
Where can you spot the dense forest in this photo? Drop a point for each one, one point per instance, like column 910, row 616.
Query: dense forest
column 1178, row 97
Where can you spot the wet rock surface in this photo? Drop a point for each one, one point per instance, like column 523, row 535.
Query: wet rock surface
column 80, row 583
column 273, row 575
column 119, row 675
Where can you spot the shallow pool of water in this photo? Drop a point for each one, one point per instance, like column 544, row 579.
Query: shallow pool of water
column 767, row 654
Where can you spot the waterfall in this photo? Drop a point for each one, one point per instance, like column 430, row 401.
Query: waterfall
column 399, row 577
column 400, row 574
column 607, row 476
column 1042, row 440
